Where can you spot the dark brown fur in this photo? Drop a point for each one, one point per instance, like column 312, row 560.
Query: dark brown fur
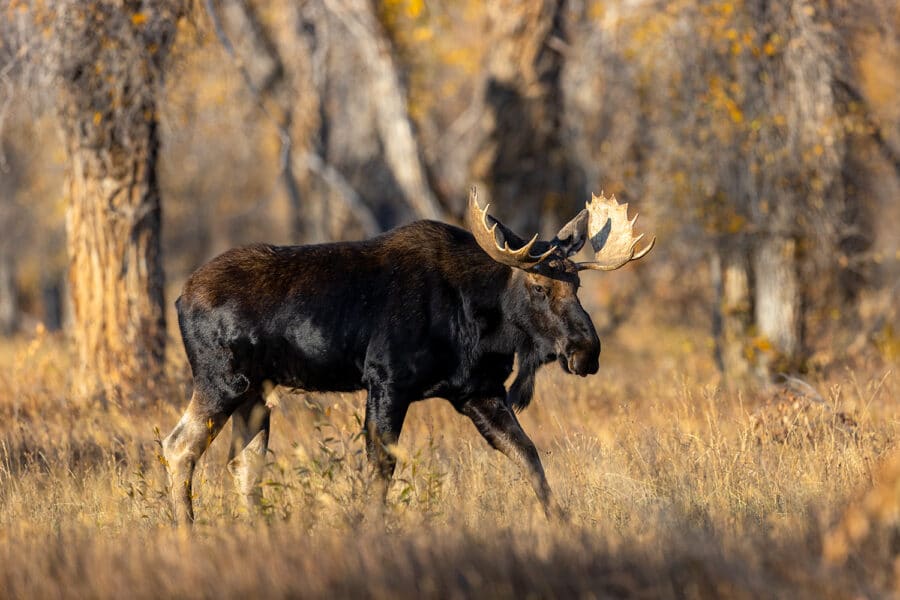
column 418, row 312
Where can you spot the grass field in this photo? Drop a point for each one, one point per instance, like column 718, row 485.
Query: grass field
column 674, row 486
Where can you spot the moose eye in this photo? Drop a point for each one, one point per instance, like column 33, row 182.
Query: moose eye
column 540, row 290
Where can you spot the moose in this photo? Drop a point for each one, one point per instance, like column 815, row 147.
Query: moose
column 425, row 310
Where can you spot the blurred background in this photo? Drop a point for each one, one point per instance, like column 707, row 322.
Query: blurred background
column 759, row 140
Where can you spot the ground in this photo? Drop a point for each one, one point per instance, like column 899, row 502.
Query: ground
column 676, row 485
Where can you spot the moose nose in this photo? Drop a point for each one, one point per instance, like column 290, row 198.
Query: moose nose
column 582, row 355
column 585, row 362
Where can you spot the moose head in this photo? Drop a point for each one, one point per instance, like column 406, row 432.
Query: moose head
column 543, row 293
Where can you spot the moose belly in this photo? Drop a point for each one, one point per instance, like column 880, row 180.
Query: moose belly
column 304, row 359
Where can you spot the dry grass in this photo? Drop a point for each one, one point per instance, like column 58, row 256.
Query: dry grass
column 675, row 488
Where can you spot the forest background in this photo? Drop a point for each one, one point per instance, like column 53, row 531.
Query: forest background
column 759, row 140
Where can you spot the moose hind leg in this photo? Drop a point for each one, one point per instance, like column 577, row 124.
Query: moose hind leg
column 497, row 423
column 249, row 444
column 190, row 438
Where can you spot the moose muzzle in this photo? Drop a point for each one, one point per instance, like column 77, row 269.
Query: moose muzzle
column 584, row 363
column 582, row 358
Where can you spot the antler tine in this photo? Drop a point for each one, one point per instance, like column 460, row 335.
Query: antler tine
column 525, row 251
column 611, row 234
column 486, row 236
column 645, row 250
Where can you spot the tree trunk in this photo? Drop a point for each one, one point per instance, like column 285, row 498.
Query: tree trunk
column 116, row 275
column 110, row 72
column 9, row 305
column 55, row 307
column 733, row 315
column 777, row 304
column 527, row 165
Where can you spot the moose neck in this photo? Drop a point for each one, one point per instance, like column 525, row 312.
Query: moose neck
column 516, row 332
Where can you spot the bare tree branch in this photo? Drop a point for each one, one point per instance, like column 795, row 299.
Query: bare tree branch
column 288, row 161
column 884, row 146
column 315, row 163
column 394, row 125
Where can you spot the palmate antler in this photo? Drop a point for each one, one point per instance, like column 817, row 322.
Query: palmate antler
column 611, row 234
column 605, row 224
column 484, row 228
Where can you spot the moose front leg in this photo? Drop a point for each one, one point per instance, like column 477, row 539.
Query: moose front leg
column 497, row 422
column 385, row 413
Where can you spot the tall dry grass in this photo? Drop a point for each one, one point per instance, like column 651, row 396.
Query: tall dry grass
column 675, row 487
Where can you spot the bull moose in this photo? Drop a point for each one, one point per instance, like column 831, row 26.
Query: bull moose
column 425, row 310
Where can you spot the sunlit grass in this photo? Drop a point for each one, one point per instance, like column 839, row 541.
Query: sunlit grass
column 673, row 485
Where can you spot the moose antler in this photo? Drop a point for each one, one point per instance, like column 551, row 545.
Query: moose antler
column 486, row 236
column 611, row 235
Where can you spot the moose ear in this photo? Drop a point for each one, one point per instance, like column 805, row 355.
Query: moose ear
column 573, row 234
